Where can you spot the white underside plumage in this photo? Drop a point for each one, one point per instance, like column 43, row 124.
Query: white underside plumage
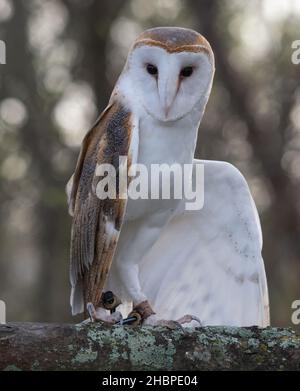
column 208, row 262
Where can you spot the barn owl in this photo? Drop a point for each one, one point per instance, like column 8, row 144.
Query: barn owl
column 162, row 262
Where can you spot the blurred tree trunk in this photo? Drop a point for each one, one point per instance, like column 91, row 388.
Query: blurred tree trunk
column 90, row 27
column 39, row 140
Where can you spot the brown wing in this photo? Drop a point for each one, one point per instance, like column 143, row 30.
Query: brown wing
column 96, row 223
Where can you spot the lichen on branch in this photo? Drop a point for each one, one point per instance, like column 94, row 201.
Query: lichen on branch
column 38, row 346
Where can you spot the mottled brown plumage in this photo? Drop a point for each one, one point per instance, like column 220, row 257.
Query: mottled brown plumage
column 93, row 241
column 174, row 40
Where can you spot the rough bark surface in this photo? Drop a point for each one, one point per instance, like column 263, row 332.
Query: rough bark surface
column 28, row 346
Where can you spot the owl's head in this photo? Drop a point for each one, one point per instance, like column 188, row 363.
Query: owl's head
column 170, row 71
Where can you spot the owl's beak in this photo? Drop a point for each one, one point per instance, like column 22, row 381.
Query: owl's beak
column 167, row 89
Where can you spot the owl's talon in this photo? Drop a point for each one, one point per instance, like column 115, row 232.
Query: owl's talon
column 189, row 319
column 113, row 318
column 171, row 324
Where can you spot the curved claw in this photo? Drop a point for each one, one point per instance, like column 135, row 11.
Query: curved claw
column 189, row 319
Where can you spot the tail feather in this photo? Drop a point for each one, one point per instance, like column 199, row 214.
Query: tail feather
column 76, row 299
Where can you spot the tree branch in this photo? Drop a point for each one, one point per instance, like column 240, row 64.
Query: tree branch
column 33, row 346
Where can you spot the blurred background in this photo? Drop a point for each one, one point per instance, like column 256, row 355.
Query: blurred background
column 63, row 58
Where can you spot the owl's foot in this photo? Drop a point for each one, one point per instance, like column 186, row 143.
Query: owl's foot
column 153, row 320
column 143, row 314
column 100, row 315
column 109, row 301
column 188, row 319
column 139, row 313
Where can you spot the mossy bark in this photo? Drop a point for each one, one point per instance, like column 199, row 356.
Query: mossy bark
column 28, row 346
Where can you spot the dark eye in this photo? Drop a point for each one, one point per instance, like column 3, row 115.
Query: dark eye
column 152, row 69
column 186, row 72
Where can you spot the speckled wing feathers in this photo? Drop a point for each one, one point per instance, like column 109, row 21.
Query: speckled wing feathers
column 96, row 223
